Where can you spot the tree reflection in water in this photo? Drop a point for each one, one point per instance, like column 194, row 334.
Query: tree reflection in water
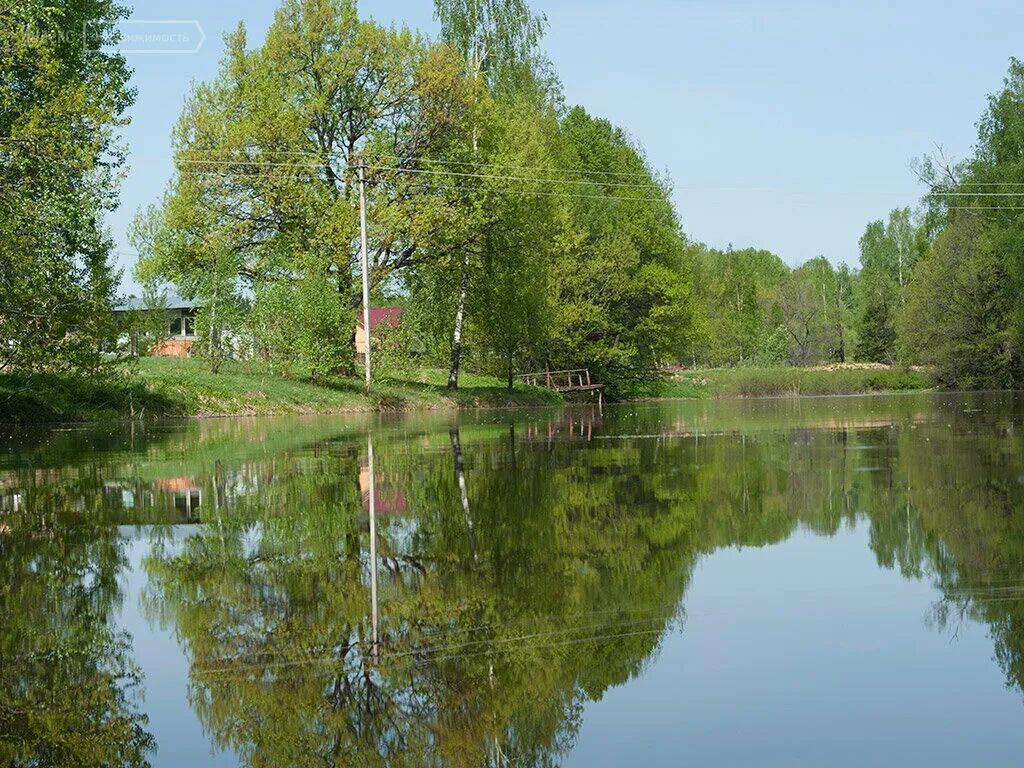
column 69, row 692
column 525, row 566
column 504, row 604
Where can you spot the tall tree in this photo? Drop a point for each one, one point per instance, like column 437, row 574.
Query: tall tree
column 63, row 93
column 266, row 157
column 621, row 292
column 494, row 38
column 511, row 301
column 957, row 307
column 974, row 203
column 738, row 289
column 888, row 255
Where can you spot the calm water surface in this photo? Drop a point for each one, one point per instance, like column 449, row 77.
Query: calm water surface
column 835, row 581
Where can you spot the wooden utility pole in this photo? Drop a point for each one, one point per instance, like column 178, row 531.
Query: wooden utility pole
column 364, row 259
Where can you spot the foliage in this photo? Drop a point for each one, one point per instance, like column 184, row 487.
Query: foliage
column 149, row 325
column 62, row 96
column 956, row 313
column 305, row 318
column 964, row 303
column 793, row 382
column 509, row 306
column 265, row 199
column 493, row 37
column 393, row 352
column 772, row 348
column 888, row 254
column 70, row 694
column 622, row 296
column 739, row 293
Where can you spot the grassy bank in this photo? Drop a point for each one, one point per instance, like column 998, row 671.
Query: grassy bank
column 791, row 382
column 165, row 387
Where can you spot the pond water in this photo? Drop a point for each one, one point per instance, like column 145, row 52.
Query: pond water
column 833, row 581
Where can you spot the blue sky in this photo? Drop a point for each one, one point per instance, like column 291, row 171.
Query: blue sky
column 783, row 125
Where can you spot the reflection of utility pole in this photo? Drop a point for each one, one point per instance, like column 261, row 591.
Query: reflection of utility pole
column 460, row 474
column 365, row 263
column 373, row 548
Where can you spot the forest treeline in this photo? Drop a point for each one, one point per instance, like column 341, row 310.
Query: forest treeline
column 519, row 232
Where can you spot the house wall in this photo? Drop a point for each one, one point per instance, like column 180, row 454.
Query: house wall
column 172, row 348
column 179, row 344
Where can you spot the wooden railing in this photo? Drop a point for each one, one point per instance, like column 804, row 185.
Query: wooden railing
column 576, row 380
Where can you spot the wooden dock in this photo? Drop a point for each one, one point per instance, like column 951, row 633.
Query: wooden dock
column 565, row 382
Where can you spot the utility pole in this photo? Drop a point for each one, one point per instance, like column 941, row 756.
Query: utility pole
column 364, row 259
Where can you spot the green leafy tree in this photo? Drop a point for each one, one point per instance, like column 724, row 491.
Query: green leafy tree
column 970, row 214
column 888, row 255
column 621, row 294
column 62, row 98
column 737, row 289
column 493, row 38
column 802, row 317
column 956, row 310
column 510, row 301
column 148, row 326
column 266, row 194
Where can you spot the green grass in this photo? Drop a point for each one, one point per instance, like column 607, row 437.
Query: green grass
column 791, row 382
column 170, row 387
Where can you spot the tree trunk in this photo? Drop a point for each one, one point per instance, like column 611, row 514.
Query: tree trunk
column 460, row 311
column 460, row 315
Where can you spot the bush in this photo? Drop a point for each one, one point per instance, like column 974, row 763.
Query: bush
column 790, row 382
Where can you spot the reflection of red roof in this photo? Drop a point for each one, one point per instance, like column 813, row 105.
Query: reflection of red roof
column 387, row 501
column 390, row 315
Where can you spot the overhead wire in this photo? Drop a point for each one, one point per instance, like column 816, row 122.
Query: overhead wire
column 220, row 166
column 421, row 171
column 455, row 188
column 399, row 159
column 310, row 173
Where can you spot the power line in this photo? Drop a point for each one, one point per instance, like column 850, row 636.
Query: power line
column 422, row 171
column 975, row 194
column 314, row 170
column 251, row 163
column 537, row 193
column 318, row 168
column 457, row 163
column 454, row 188
column 987, row 208
column 536, row 169
column 527, row 179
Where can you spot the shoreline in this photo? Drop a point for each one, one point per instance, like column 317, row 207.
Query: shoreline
column 173, row 389
column 185, row 389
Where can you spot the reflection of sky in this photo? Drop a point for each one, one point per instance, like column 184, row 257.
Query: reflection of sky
column 808, row 653
column 800, row 653
column 178, row 732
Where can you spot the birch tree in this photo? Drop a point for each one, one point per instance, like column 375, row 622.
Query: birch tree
column 493, row 37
